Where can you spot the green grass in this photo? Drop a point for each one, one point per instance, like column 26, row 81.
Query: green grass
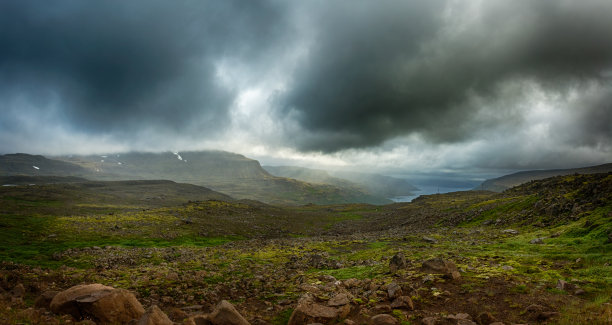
column 358, row 272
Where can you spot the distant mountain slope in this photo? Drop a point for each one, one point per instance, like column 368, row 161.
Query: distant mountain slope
column 315, row 176
column 373, row 184
column 35, row 165
column 386, row 186
column 226, row 172
column 110, row 194
column 505, row 182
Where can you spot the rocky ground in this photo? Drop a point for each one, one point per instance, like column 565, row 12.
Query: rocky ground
column 539, row 253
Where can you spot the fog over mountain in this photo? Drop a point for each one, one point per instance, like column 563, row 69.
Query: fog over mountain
column 473, row 88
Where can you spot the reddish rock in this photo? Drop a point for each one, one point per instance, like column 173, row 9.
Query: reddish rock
column 394, row 290
column 154, row 316
column 105, row 305
column 429, row 321
column 397, row 262
column 485, row 318
column 44, row 300
column 383, row 319
column 226, row 314
column 441, row 266
column 198, row 320
column 402, row 302
column 177, row 315
column 307, row 311
column 18, row 291
column 340, row 299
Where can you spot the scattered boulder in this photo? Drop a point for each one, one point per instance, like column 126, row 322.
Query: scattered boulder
column 44, row 300
column 510, row 231
column 403, row 302
column 485, row 318
column 352, row 283
column 340, row 299
column 441, row 266
column 383, row 319
column 198, row 320
column 105, row 305
column 226, row 314
column 394, row 290
column 429, row 240
column 308, row 311
column 565, row 286
column 539, row 240
column 154, row 316
column 176, row 314
column 460, row 319
column 397, row 262
column 18, row 291
column 429, row 321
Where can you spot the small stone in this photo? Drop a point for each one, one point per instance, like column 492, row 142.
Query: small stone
column 44, row 300
column 579, row 292
column 394, row 290
column 307, row 311
column 352, row 283
column 154, row 316
column 225, row 313
column 397, row 262
column 429, row 321
column 510, row 231
column 485, row 318
column 18, row 291
column 403, row 302
column 429, row 240
column 537, row 241
column 383, row 319
column 565, row 286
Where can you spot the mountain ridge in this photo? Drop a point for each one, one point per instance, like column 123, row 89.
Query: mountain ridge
column 505, row 182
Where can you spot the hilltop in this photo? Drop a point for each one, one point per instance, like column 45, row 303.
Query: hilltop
column 224, row 172
column 505, row 182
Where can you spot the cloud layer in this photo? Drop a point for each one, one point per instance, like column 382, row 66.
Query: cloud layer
column 414, row 84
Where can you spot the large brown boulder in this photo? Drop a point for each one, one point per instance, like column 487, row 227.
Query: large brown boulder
column 103, row 304
column 308, row 311
column 154, row 316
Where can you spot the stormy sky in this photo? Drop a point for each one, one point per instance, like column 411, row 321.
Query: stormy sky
column 392, row 85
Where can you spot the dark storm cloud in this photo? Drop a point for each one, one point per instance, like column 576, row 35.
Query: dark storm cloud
column 119, row 66
column 381, row 69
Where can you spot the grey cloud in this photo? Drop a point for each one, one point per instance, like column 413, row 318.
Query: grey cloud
column 119, row 66
column 382, row 69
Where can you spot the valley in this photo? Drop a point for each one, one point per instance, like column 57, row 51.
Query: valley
column 537, row 253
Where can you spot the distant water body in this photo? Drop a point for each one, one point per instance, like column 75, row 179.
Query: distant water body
column 427, row 190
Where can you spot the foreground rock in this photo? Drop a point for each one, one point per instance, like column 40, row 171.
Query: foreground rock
column 103, row 304
column 383, row 319
column 154, row 316
column 397, row 262
column 441, row 266
column 224, row 314
column 308, row 311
